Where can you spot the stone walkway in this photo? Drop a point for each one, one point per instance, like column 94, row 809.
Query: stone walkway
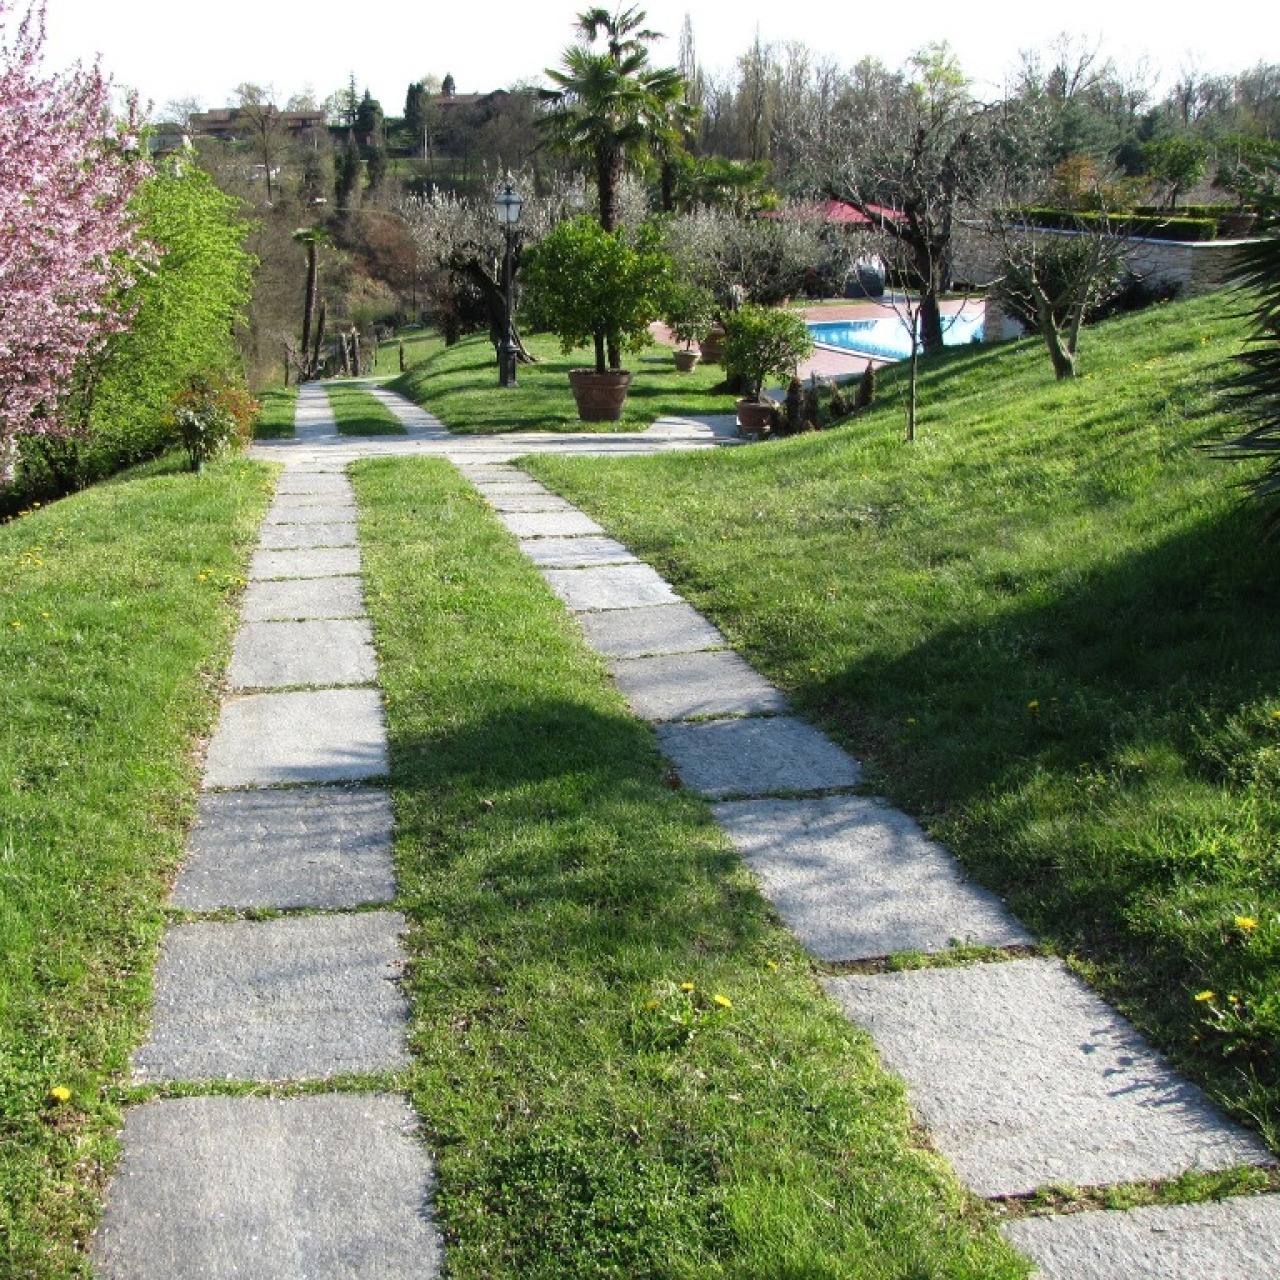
column 1020, row 1074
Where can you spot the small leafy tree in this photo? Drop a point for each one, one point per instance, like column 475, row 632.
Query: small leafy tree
column 762, row 343
column 688, row 312
column 587, row 284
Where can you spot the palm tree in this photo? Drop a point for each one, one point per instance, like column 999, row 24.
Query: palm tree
column 612, row 107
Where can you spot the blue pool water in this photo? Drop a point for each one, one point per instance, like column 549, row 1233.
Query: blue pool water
column 890, row 336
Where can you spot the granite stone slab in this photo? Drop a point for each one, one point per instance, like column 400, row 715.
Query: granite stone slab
column 1227, row 1240
column 610, row 586
column 284, row 600
column 271, row 739
column 325, row 1186
column 331, row 512
column 309, row 501
column 321, row 651
column 756, row 757
column 276, row 565
column 549, row 524
column 295, row 998
column 637, row 633
column 316, row 847
column 687, row 686
column 281, row 537
column 575, row 553
column 508, row 486
column 1023, row 1077
column 300, row 483
column 855, row 879
column 505, row 501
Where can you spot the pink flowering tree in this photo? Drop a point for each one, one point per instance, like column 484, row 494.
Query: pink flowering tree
column 69, row 247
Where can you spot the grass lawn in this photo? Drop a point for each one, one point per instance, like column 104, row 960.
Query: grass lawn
column 276, row 414
column 624, row 1065
column 360, row 414
column 459, row 384
column 116, row 611
column 1050, row 630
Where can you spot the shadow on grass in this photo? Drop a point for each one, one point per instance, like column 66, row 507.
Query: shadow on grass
column 1105, row 760
column 562, row 813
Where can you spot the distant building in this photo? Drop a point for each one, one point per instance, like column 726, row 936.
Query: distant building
column 232, row 123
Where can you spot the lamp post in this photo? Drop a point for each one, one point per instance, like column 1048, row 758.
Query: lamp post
column 506, row 208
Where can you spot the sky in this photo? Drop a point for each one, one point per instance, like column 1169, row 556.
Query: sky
column 168, row 53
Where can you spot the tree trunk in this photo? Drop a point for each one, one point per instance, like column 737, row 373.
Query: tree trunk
column 309, row 301
column 912, row 383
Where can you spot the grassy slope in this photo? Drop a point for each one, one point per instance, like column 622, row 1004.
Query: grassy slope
column 591, row 1117
column 459, row 385
column 1053, row 634
column 117, row 607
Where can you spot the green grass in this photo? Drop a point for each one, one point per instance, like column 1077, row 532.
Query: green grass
column 276, row 414
column 116, row 610
column 624, row 1064
column 459, row 384
column 360, row 414
column 1050, row 630
column 419, row 345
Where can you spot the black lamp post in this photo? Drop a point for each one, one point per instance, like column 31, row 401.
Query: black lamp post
column 506, row 208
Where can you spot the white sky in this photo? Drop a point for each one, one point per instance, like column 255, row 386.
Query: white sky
column 168, row 51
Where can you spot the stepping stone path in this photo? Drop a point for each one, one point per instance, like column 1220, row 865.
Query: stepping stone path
column 302, row 1184
column 1020, row 1074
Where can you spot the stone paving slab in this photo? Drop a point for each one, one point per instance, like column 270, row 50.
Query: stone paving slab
column 323, row 563
column 549, row 524
column 321, row 651
column 576, row 553
column 308, row 501
column 755, row 757
column 295, row 482
column 687, row 686
column 1227, row 1240
column 296, row 998
column 855, row 879
column 616, row 586
column 284, row 599
column 507, row 486
column 517, row 502
column 329, row 512
column 1024, row 1077
column 270, row 739
column 637, row 633
column 281, row 537
column 321, row 847
column 326, row 1186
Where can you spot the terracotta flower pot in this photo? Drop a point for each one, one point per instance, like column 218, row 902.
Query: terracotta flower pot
column 712, row 346
column 686, row 360
column 756, row 418
column 600, row 396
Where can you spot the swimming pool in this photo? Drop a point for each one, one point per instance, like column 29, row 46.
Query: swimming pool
column 889, row 336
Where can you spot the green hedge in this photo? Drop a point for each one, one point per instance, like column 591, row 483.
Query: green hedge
column 1148, row 226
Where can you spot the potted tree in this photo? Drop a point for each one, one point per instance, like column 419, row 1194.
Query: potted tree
column 688, row 314
column 586, row 284
column 763, row 343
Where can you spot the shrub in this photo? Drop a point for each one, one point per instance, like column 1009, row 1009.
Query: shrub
column 764, row 342
column 211, row 416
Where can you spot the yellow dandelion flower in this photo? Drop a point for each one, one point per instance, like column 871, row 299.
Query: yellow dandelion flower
column 723, row 1001
column 1275, row 715
column 1202, row 996
column 651, row 1005
column 773, row 964
column 1033, row 705
column 1246, row 923
column 686, row 986
column 60, row 1093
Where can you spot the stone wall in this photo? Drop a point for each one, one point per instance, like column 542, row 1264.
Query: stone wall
column 1194, row 266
